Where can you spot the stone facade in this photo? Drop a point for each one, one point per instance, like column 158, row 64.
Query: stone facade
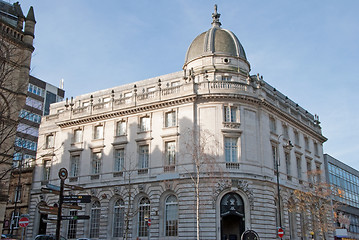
column 140, row 149
column 16, row 47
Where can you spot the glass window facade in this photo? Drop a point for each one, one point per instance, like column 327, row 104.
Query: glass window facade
column 347, row 183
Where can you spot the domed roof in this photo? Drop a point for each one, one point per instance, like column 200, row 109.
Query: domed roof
column 217, row 41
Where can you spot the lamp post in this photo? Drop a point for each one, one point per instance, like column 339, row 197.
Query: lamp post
column 289, row 146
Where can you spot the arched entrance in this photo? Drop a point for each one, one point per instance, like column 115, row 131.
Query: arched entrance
column 232, row 217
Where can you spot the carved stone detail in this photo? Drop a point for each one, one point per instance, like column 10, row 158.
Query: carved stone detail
column 233, row 183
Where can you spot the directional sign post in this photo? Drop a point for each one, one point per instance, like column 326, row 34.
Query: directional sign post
column 48, row 210
column 48, row 190
column 62, row 175
column 77, row 199
column 80, row 217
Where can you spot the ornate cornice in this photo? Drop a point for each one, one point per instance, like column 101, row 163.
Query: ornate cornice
column 121, row 113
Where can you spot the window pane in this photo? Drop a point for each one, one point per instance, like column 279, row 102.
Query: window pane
column 78, row 135
column 71, row 232
column 98, row 132
column 143, row 214
column 170, row 153
column 231, row 149
column 119, row 159
column 121, row 128
column 95, row 220
column 96, row 163
column 74, row 165
column 143, row 161
column 170, row 119
column 171, row 216
column 145, row 124
column 118, row 218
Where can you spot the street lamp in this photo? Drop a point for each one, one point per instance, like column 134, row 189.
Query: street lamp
column 288, row 146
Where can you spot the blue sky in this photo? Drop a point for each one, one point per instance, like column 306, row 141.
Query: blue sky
column 306, row 49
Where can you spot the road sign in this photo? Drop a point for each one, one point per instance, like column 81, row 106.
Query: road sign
column 149, row 222
column 47, row 190
column 80, row 217
column 48, row 209
column 72, row 206
column 73, row 187
column 23, row 222
column 63, row 173
column 77, row 199
column 53, row 187
column 280, row 232
column 50, row 220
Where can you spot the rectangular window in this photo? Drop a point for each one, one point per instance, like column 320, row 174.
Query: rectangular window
column 75, row 161
column 287, row 163
column 231, row 149
column 309, row 171
column 49, row 141
column 119, row 159
column 306, row 142
column 17, row 195
column 121, row 128
column 316, row 150
column 72, row 229
column 15, row 219
column 230, row 114
column 226, row 78
column 285, row 132
column 170, row 153
column 24, row 128
column 34, row 103
column 299, row 168
column 170, row 119
column 78, row 135
column 96, row 162
column 274, row 156
column 272, row 125
column 143, row 157
column 47, row 168
column 318, row 172
column 296, row 138
column 98, row 132
column 145, row 124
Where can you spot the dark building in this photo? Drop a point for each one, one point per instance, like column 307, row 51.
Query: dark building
column 16, row 47
column 40, row 95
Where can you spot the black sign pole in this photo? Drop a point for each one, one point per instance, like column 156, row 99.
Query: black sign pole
column 63, row 175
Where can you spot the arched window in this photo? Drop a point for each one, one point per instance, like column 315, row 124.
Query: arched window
column 143, row 215
column 95, row 220
column 118, row 218
column 171, row 216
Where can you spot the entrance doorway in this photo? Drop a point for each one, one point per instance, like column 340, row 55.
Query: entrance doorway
column 232, row 217
column 43, row 224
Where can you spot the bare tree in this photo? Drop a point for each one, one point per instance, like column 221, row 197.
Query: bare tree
column 202, row 148
column 315, row 204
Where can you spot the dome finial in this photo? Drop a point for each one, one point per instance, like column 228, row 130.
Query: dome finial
column 215, row 17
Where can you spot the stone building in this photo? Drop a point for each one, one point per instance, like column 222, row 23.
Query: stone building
column 16, row 47
column 40, row 95
column 142, row 151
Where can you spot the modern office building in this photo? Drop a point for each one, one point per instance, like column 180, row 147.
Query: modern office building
column 16, row 47
column 346, row 180
column 40, row 95
column 195, row 153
